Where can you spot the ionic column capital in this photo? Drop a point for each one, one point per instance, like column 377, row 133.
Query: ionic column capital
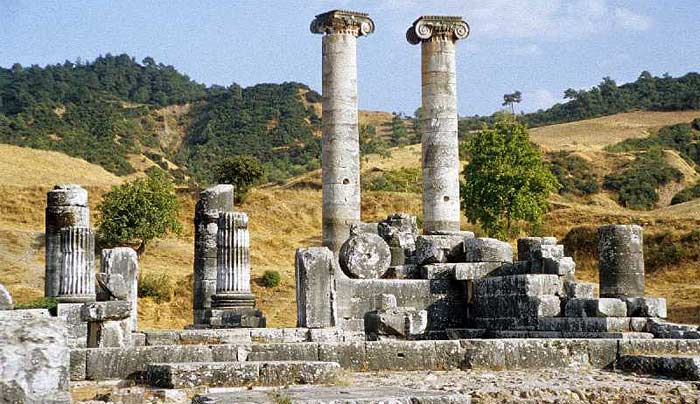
column 342, row 21
column 429, row 27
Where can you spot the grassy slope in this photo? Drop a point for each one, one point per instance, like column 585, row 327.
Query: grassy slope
column 286, row 217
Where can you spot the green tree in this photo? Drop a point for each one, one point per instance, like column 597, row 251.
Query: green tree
column 506, row 180
column 512, row 99
column 139, row 211
column 399, row 135
column 242, row 172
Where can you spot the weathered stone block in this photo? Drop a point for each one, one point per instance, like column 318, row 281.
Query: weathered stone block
column 5, row 299
column 676, row 367
column 238, row 317
column 528, row 308
column 34, row 361
column 77, row 328
column 105, row 311
column 110, row 287
column 559, row 266
column 77, row 364
column 603, row 307
column 530, row 285
column 401, row 355
column 579, row 290
column 22, row 315
column 129, row 363
column 664, row 329
column 124, row 262
column 646, row 307
column 584, row 324
column 396, row 322
column 487, row 250
column 476, row 270
column 300, row 351
column 526, row 246
column 365, row 256
column 405, row 271
column 431, row 249
column 315, row 288
column 109, row 334
column 350, row 355
column 281, row 373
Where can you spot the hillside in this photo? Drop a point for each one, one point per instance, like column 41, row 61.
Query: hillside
column 294, row 209
column 595, row 134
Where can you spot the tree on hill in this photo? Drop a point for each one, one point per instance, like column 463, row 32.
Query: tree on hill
column 242, row 172
column 399, row 135
column 506, row 180
column 138, row 212
column 512, row 99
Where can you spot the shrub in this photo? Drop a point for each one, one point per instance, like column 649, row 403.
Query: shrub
column 637, row 183
column 581, row 242
column 687, row 194
column 270, row 279
column 139, row 211
column 49, row 303
column 696, row 124
column 242, row 172
column 158, row 287
column 573, row 173
column 405, row 179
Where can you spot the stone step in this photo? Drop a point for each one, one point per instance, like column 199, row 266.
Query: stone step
column 240, row 374
column 676, row 366
column 315, row 395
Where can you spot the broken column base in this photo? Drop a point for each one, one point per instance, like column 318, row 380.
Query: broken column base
column 235, row 310
column 109, row 324
column 238, row 317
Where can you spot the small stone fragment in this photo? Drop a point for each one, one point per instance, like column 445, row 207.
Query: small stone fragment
column 5, row 299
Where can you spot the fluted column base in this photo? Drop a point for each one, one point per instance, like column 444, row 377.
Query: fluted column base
column 232, row 300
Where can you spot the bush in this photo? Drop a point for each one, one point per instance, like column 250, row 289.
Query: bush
column 270, row 279
column 242, row 172
column 687, row 194
column 637, row 184
column 139, row 211
column 573, row 173
column 696, row 124
column 49, row 303
column 158, row 287
column 408, row 180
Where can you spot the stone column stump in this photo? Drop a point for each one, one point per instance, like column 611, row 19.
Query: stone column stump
column 621, row 261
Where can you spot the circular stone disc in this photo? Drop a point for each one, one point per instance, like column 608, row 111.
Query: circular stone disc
column 365, row 256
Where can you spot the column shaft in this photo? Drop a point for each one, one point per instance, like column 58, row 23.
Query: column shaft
column 233, row 258
column 440, row 146
column 77, row 278
column 66, row 206
column 340, row 143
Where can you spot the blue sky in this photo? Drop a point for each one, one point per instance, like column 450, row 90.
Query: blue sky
column 540, row 47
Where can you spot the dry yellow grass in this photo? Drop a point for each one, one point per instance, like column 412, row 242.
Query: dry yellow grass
column 283, row 218
column 594, row 134
column 21, row 166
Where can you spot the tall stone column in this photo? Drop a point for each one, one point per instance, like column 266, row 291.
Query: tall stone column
column 233, row 305
column 77, row 277
column 340, row 143
column 212, row 201
column 66, row 206
column 438, row 36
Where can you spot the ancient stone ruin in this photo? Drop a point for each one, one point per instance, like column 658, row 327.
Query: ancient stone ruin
column 375, row 297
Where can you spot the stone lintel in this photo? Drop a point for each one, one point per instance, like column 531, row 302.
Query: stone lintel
column 342, row 21
column 430, row 27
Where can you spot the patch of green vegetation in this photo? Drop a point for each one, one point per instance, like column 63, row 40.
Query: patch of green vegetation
column 406, row 179
column 687, row 194
column 637, row 184
column 158, row 287
column 49, row 303
column 683, row 138
column 574, row 174
column 270, row 279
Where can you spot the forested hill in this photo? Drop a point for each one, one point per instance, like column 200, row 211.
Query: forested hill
column 109, row 110
column 647, row 93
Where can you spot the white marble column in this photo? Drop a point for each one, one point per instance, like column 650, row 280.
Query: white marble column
column 340, row 142
column 77, row 274
column 233, row 257
column 440, row 147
